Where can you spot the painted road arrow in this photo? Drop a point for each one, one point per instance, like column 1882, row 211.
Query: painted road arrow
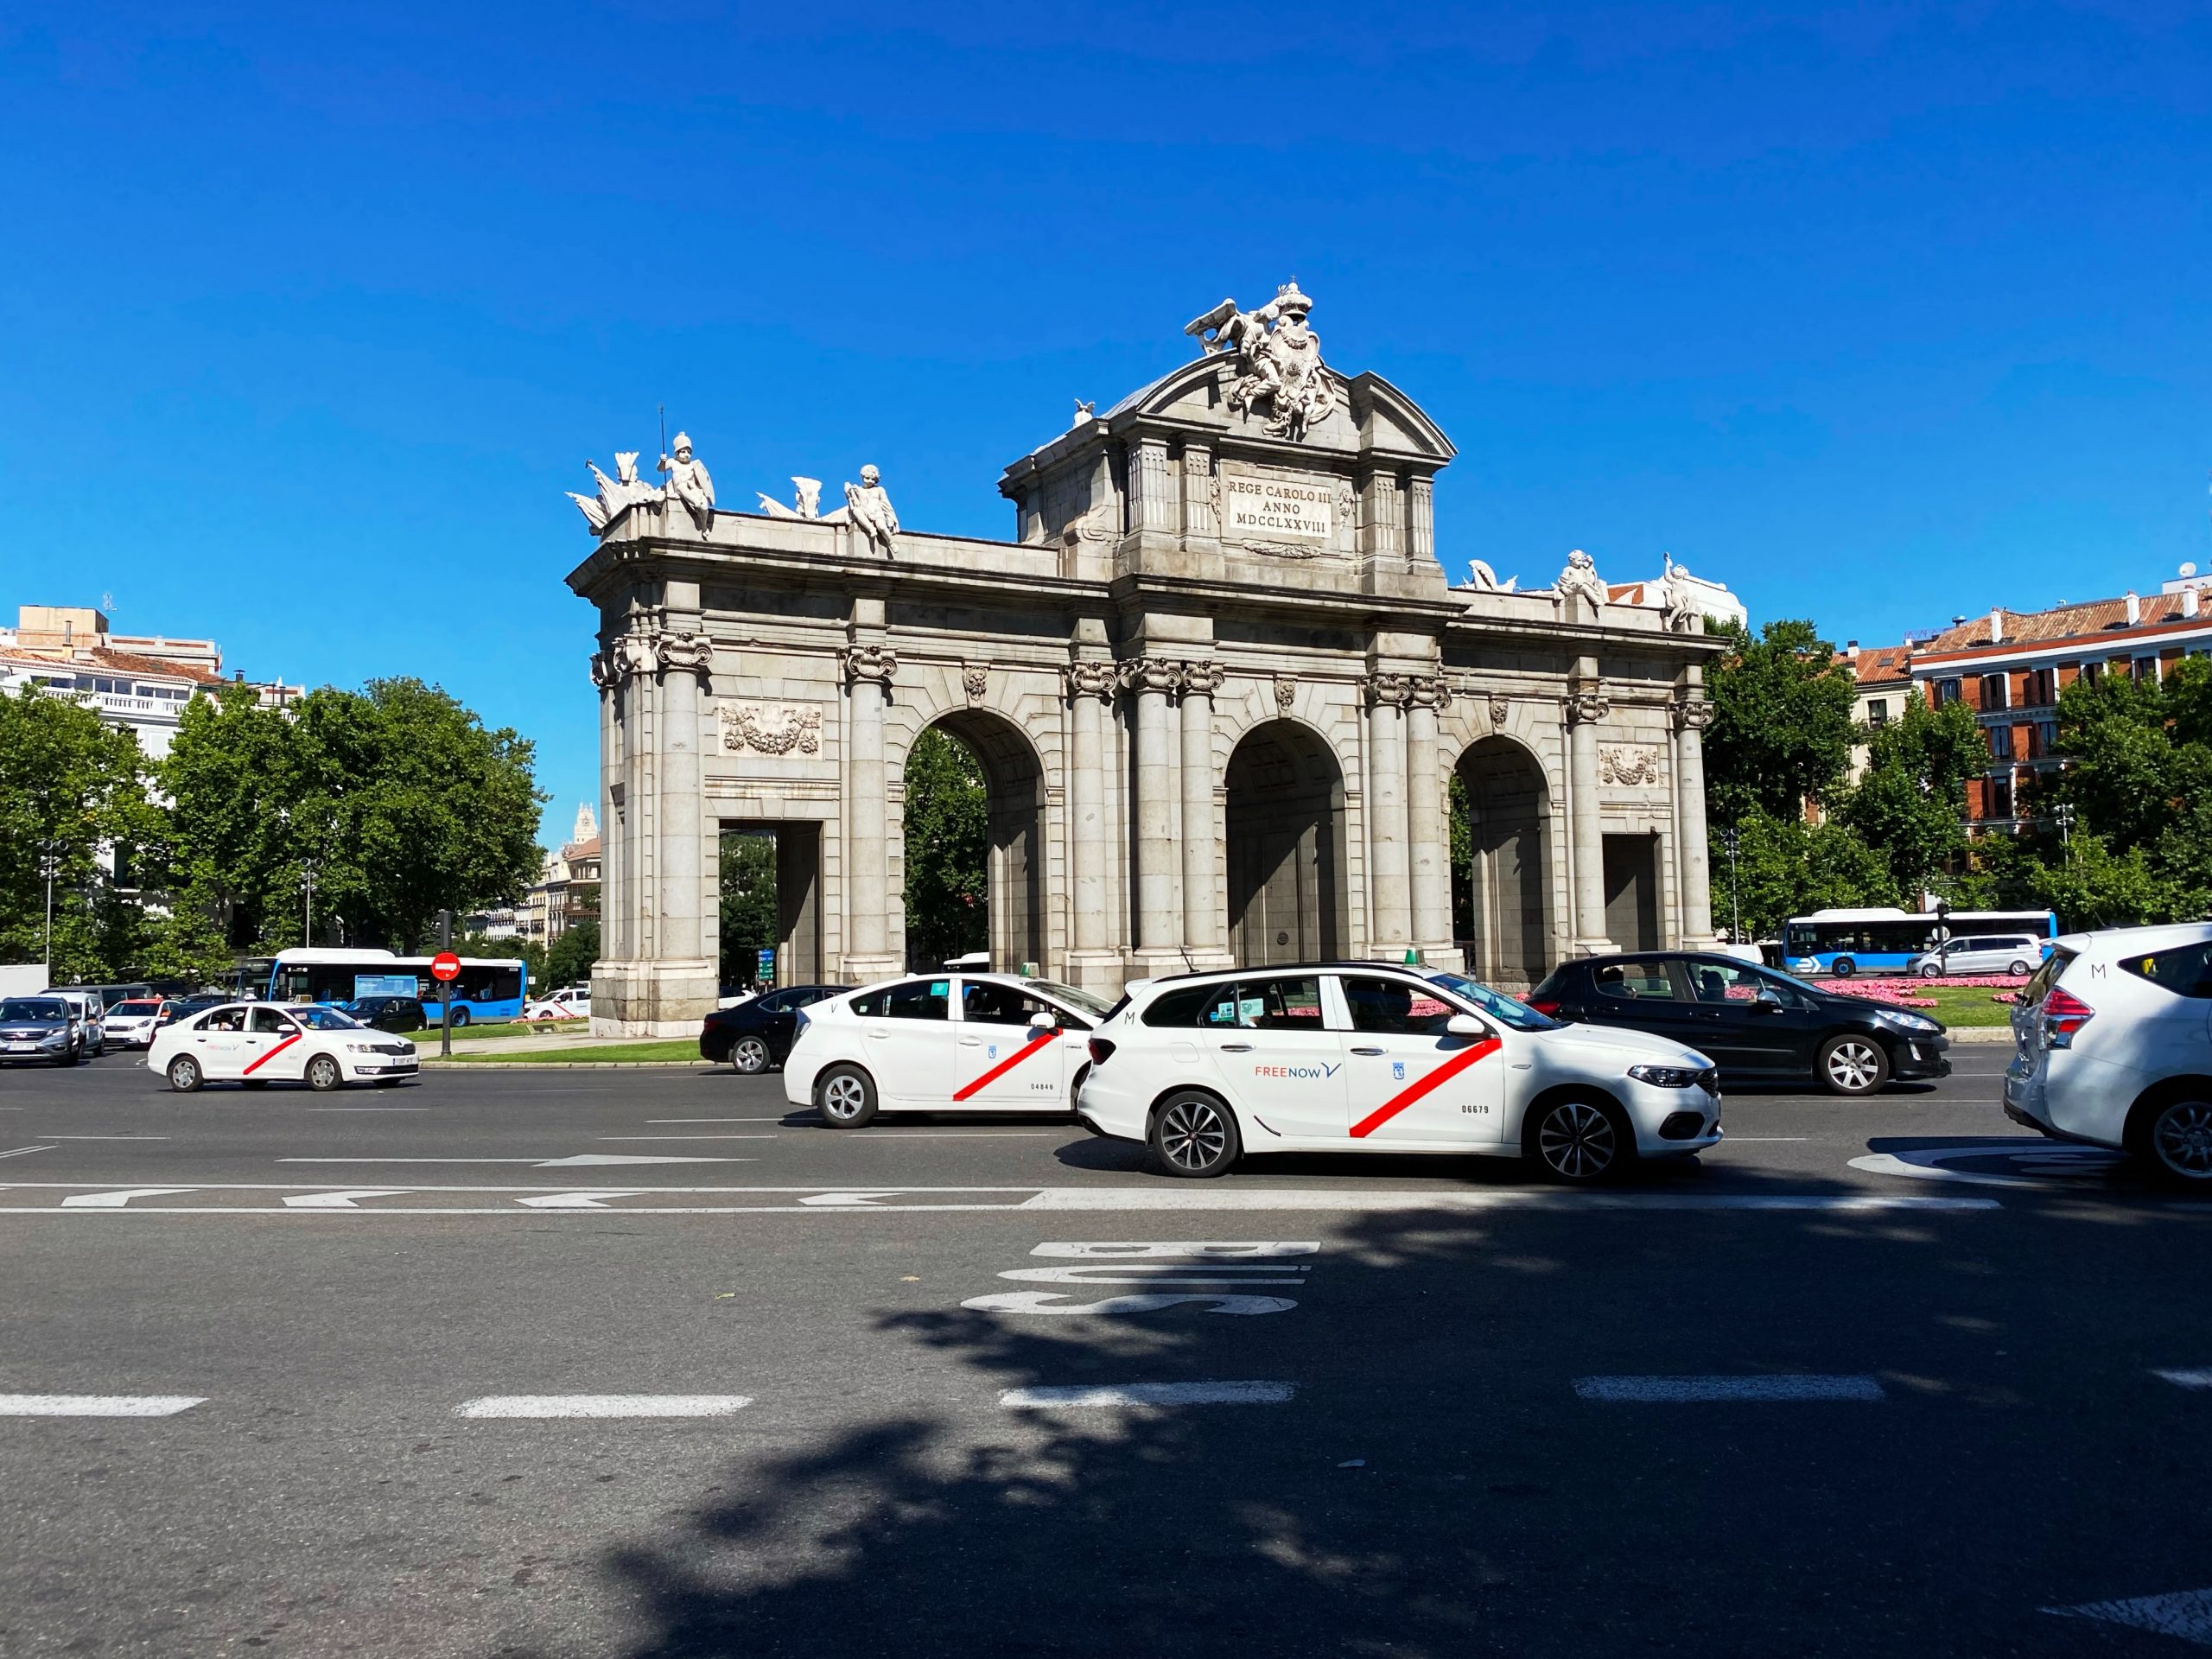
column 572, row 1200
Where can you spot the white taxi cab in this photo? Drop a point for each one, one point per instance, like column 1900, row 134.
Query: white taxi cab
column 942, row 1042
column 1364, row 1056
column 256, row 1044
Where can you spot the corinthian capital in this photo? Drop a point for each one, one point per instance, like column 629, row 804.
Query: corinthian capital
column 692, row 653
column 1395, row 689
column 1693, row 714
column 877, row 663
column 1586, row 708
column 606, row 669
column 1150, row 674
column 1089, row 679
column 1432, row 691
column 1202, row 679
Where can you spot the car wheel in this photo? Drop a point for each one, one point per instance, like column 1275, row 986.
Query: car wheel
column 69, row 1058
column 2018, row 969
column 184, row 1075
column 1852, row 1064
column 1580, row 1141
column 750, row 1056
column 1844, row 968
column 845, row 1097
column 1194, row 1134
column 325, row 1074
column 459, row 1018
column 2178, row 1139
column 1931, row 970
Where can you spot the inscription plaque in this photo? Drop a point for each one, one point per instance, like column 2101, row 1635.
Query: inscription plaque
column 1274, row 509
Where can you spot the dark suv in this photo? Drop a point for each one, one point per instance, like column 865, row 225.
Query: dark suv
column 1758, row 1025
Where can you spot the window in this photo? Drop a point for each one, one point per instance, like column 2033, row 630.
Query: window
column 1998, row 795
column 2146, row 668
column 1994, row 687
column 1647, row 979
column 2001, row 742
column 1006, row 1004
column 1878, row 711
column 918, row 999
column 1292, row 1002
column 2040, row 689
column 2092, row 672
column 1190, row 1007
column 1721, row 981
column 1949, row 690
column 2047, row 736
column 2185, row 970
column 269, row 1023
column 1392, row 1006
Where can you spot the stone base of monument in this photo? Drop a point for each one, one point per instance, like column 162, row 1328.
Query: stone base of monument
column 653, row 999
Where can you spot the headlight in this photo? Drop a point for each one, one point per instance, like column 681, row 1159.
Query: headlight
column 1665, row 1077
column 1910, row 1021
column 363, row 1048
column 54, row 1039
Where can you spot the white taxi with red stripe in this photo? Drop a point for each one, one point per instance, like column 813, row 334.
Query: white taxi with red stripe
column 259, row 1043
column 1360, row 1057
column 942, row 1043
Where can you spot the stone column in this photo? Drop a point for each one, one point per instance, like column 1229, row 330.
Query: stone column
column 1090, row 689
column 1420, row 522
column 1379, row 517
column 1202, row 919
column 867, row 671
column 1151, row 506
column 1429, row 831
column 1199, row 520
column 613, row 906
column 1693, row 714
column 1150, row 680
column 1585, row 709
column 1389, row 901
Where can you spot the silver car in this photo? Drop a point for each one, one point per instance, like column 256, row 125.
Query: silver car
column 2016, row 954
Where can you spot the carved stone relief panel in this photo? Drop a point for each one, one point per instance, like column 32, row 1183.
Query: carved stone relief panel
column 1630, row 764
column 770, row 727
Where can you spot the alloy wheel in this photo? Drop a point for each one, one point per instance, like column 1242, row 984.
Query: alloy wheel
column 1854, row 1067
column 1192, row 1135
column 750, row 1055
column 1577, row 1140
column 843, row 1099
column 2182, row 1138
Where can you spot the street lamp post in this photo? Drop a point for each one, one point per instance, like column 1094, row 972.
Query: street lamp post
column 49, row 866
column 1728, row 843
column 2065, row 816
column 306, row 925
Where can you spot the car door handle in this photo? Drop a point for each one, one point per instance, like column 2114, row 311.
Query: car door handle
column 1237, row 1048
column 971, row 1042
column 1367, row 1051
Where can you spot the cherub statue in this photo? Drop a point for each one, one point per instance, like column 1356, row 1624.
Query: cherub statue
column 868, row 510
column 1581, row 580
column 694, row 489
column 809, row 500
column 1684, row 612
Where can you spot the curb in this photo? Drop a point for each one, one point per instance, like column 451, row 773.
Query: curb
column 1979, row 1034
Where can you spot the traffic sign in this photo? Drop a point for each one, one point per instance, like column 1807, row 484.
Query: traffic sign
column 445, row 966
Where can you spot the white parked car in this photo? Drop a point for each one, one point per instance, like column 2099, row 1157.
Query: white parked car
column 573, row 1003
column 942, row 1042
column 2112, row 1045
column 259, row 1043
column 90, row 1014
column 1354, row 1056
column 132, row 1024
column 2017, row 954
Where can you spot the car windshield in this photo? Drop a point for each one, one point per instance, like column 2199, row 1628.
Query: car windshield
column 1513, row 1015
column 1095, row 1007
column 28, row 1008
column 134, row 1010
column 324, row 1020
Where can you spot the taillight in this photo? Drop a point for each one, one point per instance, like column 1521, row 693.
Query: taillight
column 1101, row 1051
column 2064, row 1015
column 1547, row 1006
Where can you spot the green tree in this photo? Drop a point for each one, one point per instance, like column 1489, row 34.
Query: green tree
column 399, row 799
column 569, row 958
column 749, row 903
column 1786, row 868
column 947, row 850
column 1909, row 807
column 1781, row 735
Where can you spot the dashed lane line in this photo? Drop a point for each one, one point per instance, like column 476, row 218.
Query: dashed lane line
column 1681, row 1390
column 687, row 1137
column 20, row 1152
column 97, row 1405
column 541, row 1406
column 718, row 1120
column 1092, row 1396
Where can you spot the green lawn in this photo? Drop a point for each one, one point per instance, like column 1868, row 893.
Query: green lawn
column 681, row 1048
column 505, row 1028
column 1964, row 1005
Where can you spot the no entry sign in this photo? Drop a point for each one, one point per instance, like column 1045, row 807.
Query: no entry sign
column 445, row 966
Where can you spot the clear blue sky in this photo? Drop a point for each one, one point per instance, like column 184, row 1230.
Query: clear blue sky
column 1879, row 312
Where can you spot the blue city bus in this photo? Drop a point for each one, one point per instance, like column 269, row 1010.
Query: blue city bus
column 1847, row 942
column 490, row 988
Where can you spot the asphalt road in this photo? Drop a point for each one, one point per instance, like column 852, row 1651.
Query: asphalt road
column 1881, row 1377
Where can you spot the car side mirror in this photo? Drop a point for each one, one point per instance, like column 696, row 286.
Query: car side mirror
column 1044, row 1019
column 1465, row 1024
column 1767, row 1000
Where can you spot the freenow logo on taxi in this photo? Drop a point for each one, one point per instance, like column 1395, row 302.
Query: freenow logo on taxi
column 1317, row 1072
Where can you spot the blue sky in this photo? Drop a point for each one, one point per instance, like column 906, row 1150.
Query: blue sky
column 1879, row 312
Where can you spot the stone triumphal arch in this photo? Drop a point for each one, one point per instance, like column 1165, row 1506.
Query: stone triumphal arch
column 1217, row 681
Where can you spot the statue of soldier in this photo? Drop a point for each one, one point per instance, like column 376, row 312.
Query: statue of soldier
column 688, row 481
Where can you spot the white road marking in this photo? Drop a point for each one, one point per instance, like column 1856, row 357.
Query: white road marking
column 365, row 1109
column 1762, row 1140
column 1042, row 1302
column 97, row 1405
column 870, row 1196
column 572, row 1200
column 687, row 1137
column 116, row 1200
column 960, row 1134
column 604, row 1405
column 1124, row 1249
column 713, row 1120
column 52, row 1136
column 1149, row 1394
column 2187, row 1379
column 1680, row 1390
column 1181, row 1274
column 341, row 1200
column 1111, row 1198
column 2186, row 1614
column 538, row 1163
column 2037, row 1157
column 20, row 1151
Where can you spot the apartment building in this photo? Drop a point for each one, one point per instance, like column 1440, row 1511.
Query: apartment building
column 546, row 910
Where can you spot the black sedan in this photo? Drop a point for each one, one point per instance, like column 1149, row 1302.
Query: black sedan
column 755, row 1035
column 1759, row 1026
column 397, row 1014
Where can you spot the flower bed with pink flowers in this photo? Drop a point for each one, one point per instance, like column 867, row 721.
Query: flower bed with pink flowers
column 1913, row 992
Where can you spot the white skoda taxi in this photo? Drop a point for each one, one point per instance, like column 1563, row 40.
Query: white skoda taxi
column 944, row 1042
column 1359, row 1057
column 255, row 1044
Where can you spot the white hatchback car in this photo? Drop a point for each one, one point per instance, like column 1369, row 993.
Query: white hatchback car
column 573, row 1003
column 132, row 1024
column 2112, row 1045
column 1356, row 1056
column 255, row 1044
column 942, row 1042
column 2016, row 954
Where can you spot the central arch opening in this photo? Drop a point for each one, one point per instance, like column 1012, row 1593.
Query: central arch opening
column 1284, row 824
column 974, row 844
column 1500, row 891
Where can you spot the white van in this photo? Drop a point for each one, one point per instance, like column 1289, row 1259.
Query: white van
column 2016, row 954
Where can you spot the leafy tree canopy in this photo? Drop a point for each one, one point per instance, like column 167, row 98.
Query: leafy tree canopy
column 947, row 850
column 1780, row 734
